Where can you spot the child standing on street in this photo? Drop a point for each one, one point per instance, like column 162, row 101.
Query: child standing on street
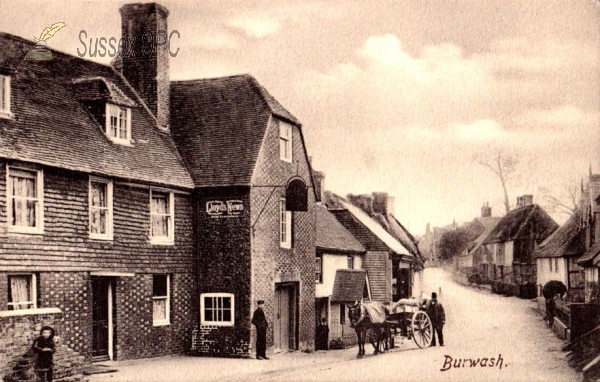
column 43, row 346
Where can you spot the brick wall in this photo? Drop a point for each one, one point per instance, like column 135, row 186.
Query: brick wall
column 224, row 255
column 64, row 255
column 136, row 337
column 19, row 332
column 270, row 262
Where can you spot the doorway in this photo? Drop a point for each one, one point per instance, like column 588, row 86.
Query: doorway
column 102, row 318
column 285, row 330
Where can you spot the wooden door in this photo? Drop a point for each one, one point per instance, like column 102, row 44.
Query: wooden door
column 102, row 318
column 282, row 319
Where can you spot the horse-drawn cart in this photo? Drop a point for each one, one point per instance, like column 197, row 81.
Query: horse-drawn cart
column 375, row 322
column 407, row 317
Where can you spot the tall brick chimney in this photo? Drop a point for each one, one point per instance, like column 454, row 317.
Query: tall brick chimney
column 319, row 179
column 524, row 200
column 147, row 67
column 486, row 210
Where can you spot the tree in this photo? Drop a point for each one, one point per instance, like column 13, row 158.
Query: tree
column 562, row 199
column 504, row 165
column 452, row 243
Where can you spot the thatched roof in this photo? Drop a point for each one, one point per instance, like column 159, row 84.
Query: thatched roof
column 513, row 225
column 565, row 241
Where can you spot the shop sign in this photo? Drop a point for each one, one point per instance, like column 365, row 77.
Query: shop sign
column 217, row 209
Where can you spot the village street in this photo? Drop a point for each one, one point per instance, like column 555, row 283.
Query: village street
column 479, row 325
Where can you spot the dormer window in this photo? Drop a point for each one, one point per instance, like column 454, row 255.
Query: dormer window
column 118, row 123
column 5, row 96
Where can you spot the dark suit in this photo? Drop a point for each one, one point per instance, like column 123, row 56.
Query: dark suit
column 436, row 313
column 260, row 321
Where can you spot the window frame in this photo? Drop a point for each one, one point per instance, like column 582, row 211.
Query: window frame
column 350, row 261
column 5, row 96
column 203, row 320
column 167, row 298
column 319, row 268
column 39, row 213
column 170, row 238
column 285, row 137
column 285, row 222
column 107, row 128
column 33, row 290
column 109, row 208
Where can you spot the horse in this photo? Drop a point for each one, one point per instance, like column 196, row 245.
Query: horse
column 378, row 332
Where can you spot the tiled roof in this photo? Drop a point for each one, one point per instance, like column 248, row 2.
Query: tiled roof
column 590, row 255
column 331, row 234
column 510, row 227
column 219, row 125
column 566, row 240
column 488, row 224
column 373, row 226
column 349, row 285
column 52, row 127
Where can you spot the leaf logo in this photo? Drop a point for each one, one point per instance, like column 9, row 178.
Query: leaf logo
column 40, row 53
column 50, row 31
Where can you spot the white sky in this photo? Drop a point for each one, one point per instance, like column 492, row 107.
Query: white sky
column 395, row 96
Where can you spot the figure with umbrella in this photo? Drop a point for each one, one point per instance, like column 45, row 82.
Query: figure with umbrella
column 552, row 289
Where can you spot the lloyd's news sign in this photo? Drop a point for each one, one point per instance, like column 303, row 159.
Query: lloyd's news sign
column 219, row 209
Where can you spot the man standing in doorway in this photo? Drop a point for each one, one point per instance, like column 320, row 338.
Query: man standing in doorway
column 260, row 321
column 436, row 313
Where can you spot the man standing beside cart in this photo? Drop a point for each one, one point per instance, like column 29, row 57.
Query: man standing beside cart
column 436, row 314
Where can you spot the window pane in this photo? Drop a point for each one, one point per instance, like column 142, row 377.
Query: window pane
column 99, row 194
column 19, row 292
column 122, row 123
column 208, row 302
column 227, row 315
column 159, row 286
column 160, row 203
column 160, row 226
column 159, row 310
column 98, row 221
column 226, row 302
column 208, row 315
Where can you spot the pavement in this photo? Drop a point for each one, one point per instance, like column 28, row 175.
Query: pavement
column 479, row 326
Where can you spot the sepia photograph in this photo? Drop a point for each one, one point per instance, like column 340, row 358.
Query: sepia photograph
column 299, row 190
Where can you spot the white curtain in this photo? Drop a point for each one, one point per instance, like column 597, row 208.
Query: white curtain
column 160, row 218
column 23, row 206
column 98, row 218
column 19, row 291
column 160, row 309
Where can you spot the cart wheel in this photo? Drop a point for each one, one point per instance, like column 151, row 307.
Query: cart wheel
column 422, row 329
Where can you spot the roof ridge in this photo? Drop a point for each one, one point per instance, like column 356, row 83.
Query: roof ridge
column 196, row 80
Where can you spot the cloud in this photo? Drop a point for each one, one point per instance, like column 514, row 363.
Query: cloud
column 217, row 40
column 257, row 25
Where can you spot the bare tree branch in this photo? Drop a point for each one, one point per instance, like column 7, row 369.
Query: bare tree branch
column 503, row 165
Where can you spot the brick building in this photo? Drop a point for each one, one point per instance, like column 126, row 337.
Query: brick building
column 96, row 208
column 254, row 206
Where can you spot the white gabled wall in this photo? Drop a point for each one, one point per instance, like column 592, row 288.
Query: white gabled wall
column 551, row 269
